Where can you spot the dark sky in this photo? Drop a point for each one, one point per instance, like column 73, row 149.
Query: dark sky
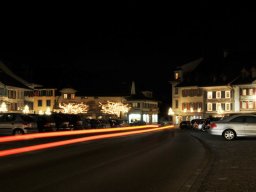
column 90, row 45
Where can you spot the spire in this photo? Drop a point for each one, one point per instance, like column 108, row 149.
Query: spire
column 133, row 88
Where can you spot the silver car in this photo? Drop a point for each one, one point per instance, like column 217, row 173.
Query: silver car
column 16, row 124
column 234, row 126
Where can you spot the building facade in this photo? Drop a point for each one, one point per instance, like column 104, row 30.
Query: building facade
column 193, row 99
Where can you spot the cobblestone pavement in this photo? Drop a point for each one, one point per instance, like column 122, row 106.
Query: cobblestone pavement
column 231, row 166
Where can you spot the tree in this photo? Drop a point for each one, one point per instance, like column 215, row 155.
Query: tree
column 73, row 108
column 115, row 108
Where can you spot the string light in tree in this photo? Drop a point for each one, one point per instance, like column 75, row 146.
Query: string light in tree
column 74, row 108
column 115, row 108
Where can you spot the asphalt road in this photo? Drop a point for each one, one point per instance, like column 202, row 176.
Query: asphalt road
column 166, row 161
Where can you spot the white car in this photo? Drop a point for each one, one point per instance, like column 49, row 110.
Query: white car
column 234, row 126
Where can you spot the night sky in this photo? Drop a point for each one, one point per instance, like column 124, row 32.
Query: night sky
column 109, row 44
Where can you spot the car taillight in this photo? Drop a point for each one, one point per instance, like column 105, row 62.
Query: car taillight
column 27, row 124
column 213, row 125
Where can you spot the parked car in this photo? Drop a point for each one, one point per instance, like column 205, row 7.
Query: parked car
column 61, row 121
column 17, row 124
column 44, row 122
column 185, row 125
column 96, row 123
column 207, row 122
column 197, row 123
column 234, row 126
column 75, row 121
column 138, row 123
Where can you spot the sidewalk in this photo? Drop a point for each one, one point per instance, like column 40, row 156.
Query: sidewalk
column 231, row 166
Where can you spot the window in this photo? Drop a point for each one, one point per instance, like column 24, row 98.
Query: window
column 73, row 96
column 250, row 104
column 65, row 96
column 136, row 105
column 39, row 103
column 238, row 119
column 176, row 104
column 48, row 103
column 2, row 92
column 209, row 106
column 177, row 75
column 250, row 91
column 243, row 104
column 218, row 107
column 227, row 106
column 218, row 94
column 250, row 119
column 227, row 94
column 244, row 92
column 209, row 94
column 176, row 91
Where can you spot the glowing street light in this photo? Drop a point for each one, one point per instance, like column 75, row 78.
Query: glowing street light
column 170, row 112
column 26, row 109
column 48, row 111
column 3, row 107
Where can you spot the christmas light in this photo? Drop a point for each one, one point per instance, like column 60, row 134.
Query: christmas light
column 114, row 108
column 74, row 108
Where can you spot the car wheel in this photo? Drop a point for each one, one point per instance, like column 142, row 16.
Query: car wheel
column 18, row 132
column 229, row 134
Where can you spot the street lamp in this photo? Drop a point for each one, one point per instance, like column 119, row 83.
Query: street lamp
column 3, row 107
column 170, row 112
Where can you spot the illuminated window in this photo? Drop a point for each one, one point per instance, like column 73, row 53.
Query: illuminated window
column 243, row 104
column 218, row 106
column 73, row 96
column 218, row 94
column 209, row 94
column 177, row 75
column 154, row 118
column 244, row 92
column 250, row 105
column 145, row 118
column 227, row 94
column 227, row 106
column 250, row 91
column 65, row 96
column 209, row 106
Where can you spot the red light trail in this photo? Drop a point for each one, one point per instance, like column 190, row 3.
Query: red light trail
column 77, row 140
column 66, row 133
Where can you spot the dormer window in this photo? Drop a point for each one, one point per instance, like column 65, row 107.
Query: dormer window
column 177, row 76
column 69, row 96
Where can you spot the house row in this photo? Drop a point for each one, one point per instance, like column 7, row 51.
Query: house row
column 199, row 91
column 16, row 95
